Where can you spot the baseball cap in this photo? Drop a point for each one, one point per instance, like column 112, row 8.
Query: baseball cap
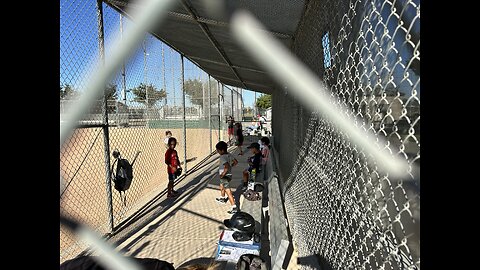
column 254, row 145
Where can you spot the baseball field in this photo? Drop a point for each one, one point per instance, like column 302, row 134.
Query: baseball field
column 83, row 169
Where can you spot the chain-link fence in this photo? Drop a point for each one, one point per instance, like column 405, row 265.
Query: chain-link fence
column 344, row 212
column 144, row 100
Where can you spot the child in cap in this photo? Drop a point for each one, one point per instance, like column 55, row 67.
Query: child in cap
column 253, row 163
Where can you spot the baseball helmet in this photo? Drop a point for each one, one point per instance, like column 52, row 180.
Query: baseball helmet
column 241, row 222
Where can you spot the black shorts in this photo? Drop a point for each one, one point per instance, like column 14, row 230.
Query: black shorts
column 171, row 177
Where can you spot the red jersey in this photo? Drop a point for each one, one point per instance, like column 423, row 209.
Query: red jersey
column 171, row 158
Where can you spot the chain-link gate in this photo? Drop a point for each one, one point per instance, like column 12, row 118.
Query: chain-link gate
column 144, row 100
column 343, row 211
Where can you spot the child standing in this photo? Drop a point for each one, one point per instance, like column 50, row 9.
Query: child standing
column 171, row 159
column 239, row 137
column 230, row 123
column 225, row 172
column 253, row 163
column 265, row 152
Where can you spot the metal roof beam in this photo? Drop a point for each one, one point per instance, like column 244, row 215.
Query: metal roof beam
column 208, row 21
column 210, row 37
column 231, row 79
column 223, row 64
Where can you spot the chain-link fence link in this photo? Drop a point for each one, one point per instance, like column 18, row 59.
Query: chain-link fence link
column 144, row 100
column 344, row 212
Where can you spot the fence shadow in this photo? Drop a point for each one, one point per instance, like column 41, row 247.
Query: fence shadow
column 170, row 203
column 158, row 205
column 315, row 261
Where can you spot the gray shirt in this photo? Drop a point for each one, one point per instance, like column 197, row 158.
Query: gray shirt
column 227, row 157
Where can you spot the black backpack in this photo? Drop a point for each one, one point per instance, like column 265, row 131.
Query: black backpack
column 123, row 174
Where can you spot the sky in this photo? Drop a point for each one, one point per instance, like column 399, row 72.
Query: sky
column 79, row 51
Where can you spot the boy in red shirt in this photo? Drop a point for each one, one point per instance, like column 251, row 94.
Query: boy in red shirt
column 171, row 159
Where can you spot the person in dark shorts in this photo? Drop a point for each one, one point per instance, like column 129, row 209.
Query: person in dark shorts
column 239, row 138
column 227, row 161
column 230, row 123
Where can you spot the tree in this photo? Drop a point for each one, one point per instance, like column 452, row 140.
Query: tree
column 248, row 111
column 68, row 92
column 193, row 89
column 154, row 95
column 264, row 102
column 213, row 91
column 111, row 92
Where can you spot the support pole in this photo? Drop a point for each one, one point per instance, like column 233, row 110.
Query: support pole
column 101, row 47
column 210, row 112
column 184, row 117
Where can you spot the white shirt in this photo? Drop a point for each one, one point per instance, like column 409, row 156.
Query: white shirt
column 261, row 144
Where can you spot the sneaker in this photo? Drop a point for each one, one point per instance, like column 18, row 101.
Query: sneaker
column 171, row 195
column 233, row 211
column 221, row 200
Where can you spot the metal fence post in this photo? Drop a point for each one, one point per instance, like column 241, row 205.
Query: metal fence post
column 210, row 112
column 124, row 79
column 219, row 112
column 184, row 116
column 255, row 105
column 223, row 104
column 164, row 77
column 233, row 114
column 242, row 105
column 145, row 78
column 105, row 115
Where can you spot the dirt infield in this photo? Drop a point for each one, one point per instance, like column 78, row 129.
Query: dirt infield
column 82, row 166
